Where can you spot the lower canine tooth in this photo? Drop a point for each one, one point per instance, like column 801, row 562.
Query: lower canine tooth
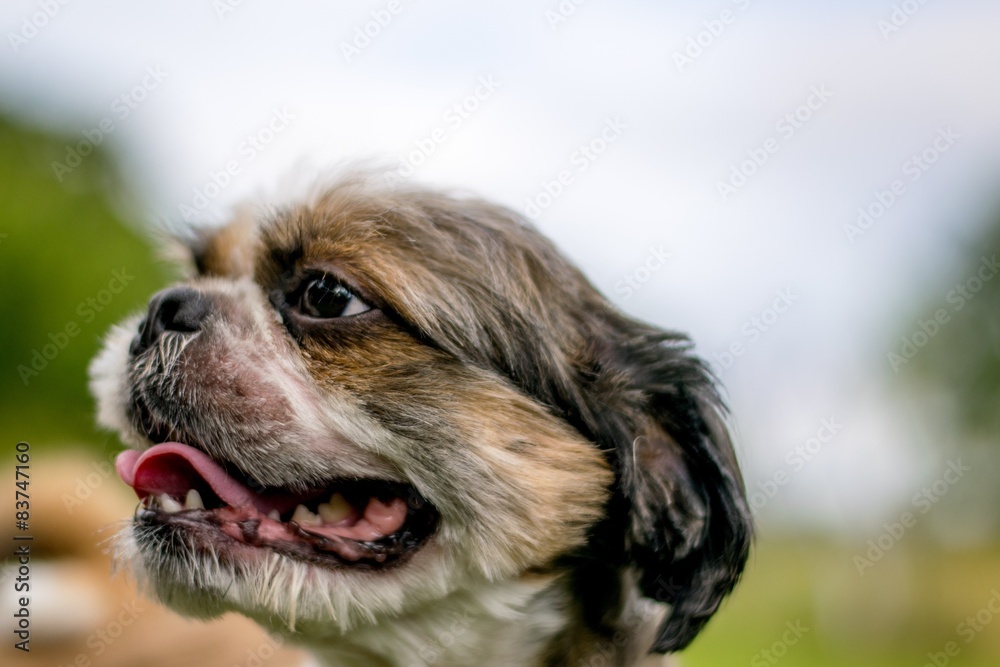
column 304, row 517
column 169, row 505
column 273, row 515
column 193, row 500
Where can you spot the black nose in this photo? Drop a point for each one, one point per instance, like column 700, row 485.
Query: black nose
column 174, row 309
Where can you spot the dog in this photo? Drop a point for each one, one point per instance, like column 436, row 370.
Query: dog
column 397, row 427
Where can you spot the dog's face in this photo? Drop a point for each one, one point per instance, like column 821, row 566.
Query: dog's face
column 382, row 399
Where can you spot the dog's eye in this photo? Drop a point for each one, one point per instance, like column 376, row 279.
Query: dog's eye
column 327, row 298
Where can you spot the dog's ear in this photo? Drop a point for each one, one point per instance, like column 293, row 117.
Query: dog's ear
column 687, row 524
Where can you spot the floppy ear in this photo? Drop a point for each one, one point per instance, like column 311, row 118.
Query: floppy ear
column 688, row 526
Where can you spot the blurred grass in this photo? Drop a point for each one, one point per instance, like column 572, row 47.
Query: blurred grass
column 906, row 605
column 59, row 244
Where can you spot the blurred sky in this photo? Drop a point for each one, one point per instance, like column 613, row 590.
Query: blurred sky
column 225, row 69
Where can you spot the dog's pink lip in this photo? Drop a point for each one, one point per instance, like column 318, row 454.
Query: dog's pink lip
column 173, row 468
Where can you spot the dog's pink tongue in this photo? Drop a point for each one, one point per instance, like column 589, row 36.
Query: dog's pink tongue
column 174, row 468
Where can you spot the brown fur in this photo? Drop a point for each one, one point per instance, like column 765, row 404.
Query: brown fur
column 556, row 437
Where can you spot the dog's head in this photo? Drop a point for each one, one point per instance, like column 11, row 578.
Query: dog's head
column 385, row 397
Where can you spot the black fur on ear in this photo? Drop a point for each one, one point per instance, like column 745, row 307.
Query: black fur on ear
column 680, row 500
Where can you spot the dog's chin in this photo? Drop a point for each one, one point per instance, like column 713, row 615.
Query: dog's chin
column 192, row 567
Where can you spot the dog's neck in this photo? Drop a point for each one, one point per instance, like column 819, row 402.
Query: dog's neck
column 525, row 622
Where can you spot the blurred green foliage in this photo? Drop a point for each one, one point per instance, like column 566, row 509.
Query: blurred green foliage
column 950, row 377
column 60, row 243
column 963, row 357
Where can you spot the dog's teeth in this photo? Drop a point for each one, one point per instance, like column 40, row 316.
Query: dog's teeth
column 336, row 510
column 304, row 517
column 274, row 515
column 169, row 505
column 193, row 500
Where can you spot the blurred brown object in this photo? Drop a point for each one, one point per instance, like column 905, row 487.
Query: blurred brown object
column 81, row 614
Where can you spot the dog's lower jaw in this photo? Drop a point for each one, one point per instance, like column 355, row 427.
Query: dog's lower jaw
column 533, row 620
column 528, row 622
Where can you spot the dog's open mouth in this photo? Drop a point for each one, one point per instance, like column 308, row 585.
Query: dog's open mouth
column 350, row 522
